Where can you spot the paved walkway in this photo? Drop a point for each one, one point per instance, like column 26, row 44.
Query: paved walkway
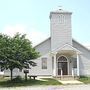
column 65, row 82
column 70, row 82
column 61, row 87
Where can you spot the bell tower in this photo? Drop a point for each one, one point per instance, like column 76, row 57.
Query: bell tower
column 60, row 28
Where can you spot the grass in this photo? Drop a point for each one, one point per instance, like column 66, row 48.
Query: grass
column 4, row 82
column 85, row 79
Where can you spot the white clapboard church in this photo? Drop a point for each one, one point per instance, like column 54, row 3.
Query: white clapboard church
column 60, row 53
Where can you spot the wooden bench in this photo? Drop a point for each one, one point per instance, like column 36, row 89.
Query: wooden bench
column 32, row 76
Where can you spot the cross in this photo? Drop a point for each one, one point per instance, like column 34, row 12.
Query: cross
column 60, row 7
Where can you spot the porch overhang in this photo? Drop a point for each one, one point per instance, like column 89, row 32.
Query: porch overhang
column 66, row 49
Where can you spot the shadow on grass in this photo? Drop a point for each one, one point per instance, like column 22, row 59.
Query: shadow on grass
column 29, row 82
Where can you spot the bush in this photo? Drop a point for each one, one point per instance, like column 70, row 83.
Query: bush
column 83, row 77
column 17, row 79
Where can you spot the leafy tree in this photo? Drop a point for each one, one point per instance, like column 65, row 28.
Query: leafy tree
column 16, row 52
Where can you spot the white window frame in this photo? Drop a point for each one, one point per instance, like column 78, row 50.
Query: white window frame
column 44, row 63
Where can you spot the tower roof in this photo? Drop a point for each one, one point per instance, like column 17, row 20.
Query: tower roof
column 60, row 11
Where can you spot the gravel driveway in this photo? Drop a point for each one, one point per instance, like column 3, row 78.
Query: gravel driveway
column 65, row 87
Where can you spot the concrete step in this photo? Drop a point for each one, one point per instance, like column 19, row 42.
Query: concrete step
column 67, row 78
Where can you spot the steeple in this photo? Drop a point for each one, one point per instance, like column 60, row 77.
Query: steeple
column 60, row 11
column 60, row 26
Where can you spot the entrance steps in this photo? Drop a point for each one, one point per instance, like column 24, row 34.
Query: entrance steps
column 70, row 82
column 67, row 77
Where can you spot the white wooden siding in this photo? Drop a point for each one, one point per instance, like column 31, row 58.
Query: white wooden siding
column 60, row 32
column 44, row 47
column 84, row 58
column 37, row 70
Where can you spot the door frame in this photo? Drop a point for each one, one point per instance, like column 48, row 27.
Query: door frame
column 62, row 61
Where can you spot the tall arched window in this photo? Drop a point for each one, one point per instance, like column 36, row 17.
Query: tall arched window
column 61, row 18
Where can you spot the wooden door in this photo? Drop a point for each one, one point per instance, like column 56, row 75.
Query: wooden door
column 62, row 66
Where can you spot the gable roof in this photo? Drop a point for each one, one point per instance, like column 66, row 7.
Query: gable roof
column 73, row 40
column 75, row 44
column 67, row 47
column 42, row 42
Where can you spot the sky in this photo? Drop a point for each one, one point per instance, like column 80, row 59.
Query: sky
column 31, row 17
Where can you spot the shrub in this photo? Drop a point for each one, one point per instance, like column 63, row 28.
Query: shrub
column 84, row 77
column 17, row 79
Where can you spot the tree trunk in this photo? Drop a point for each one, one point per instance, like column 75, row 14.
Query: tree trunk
column 11, row 74
column 25, row 76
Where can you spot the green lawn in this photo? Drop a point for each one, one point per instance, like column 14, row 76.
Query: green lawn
column 4, row 82
column 85, row 79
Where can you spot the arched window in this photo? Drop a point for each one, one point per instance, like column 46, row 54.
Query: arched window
column 62, row 59
column 61, row 18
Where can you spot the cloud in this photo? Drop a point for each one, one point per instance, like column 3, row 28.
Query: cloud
column 33, row 34
column 36, row 36
column 13, row 29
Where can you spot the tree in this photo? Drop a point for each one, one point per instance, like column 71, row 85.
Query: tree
column 16, row 52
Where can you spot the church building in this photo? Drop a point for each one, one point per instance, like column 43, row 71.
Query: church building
column 60, row 53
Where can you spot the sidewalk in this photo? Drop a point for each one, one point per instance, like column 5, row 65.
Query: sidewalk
column 61, row 87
